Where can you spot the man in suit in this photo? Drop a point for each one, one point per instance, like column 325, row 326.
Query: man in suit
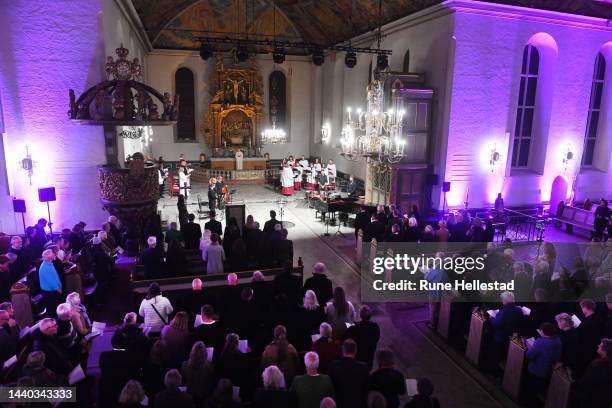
column 152, row 260
column 213, row 225
column 590, row 332
column 374, row 230
column 269, row 225
column 283, row 249
column 320, row 284
column 387, row 380
column 192, row 233
column 288, row 284
column 350, row 377
column 366, row 334
column 362, row 219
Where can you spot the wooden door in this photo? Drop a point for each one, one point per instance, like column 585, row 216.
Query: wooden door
column 409, row 189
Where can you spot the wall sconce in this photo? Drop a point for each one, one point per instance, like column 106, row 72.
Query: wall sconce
column 27, row 164
column 325, row 133
column 494, row 158
column 567, row 157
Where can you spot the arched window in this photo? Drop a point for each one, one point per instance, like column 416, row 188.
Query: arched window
column 523, row 130
column 590, row 137
column 278, row 98
column 184, row 85
column 406, row 66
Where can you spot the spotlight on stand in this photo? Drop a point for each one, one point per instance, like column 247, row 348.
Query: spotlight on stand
column 382, row 62
column 205, row 51
column 278, row 56
column 318, row 58
column 350, row 59
column 242, row 53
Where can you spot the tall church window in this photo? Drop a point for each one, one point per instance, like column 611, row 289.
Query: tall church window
column 184, row 85
column 590, row 137
column 523, row 131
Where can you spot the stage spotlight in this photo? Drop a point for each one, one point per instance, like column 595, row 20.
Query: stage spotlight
column 205, row 51
column 350, row 59
column 382, row 62
column 318, row 58
column 278, row 56
column 242, row 53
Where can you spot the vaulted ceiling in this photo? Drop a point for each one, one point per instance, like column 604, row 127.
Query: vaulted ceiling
column 176, row 24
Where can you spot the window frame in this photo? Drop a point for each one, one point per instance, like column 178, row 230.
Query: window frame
column 595, row 100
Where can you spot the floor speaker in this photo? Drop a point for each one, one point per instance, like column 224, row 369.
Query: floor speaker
column 46, row 194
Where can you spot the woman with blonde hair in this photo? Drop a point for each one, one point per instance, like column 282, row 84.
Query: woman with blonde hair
column 132, row 395
column 274, row 392
column 281, row 353
column 310, row 316
column 80, row 319
column 176, row 335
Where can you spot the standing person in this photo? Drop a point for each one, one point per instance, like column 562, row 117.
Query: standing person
column 287, row 180
column 219, row 191
column 362, row 219
column 182, row 211
column 311, row 387
column 162, row 174
column 350, row 377
column 214, row 256
column 319, row 283
column 155, row 309
column 499, row 204
column 387, row 380
column 541, row 357
column 50, row 284
column 102, row 267
column 192, row 232
column 213, row 225
column 269, row 225
column 366, row 334
column 212, row 195
column 184, row 178
column 602, row 220
column 339, row 312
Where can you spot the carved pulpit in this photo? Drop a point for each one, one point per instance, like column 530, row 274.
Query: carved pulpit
column 235, row 109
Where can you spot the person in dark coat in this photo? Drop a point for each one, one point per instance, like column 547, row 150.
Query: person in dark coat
column 350, row 377
column 506, row 322
column 253, row 238
column 283, row 249
column 374, row 230
column 231, row 233
column 288, row 284
column 152, row 260
column 192, row 232
column 176, row 261
column 362, row 219
column 22, row 263
column 269, row 225
column 590, row 332
column 130, row 337
column 387, row 380
column 213, row 225
column 183, row 214
column 102, row 264
column 232, row 363
column 45, row 340
column 593, row 388
column 209, row 331
column 196, row 298
column 423, row 398
column 273, row 394
column 116, row 368
column 172, row 396
column 602, row 220
column 320, row 284
column 9, row 336
column 366, row 334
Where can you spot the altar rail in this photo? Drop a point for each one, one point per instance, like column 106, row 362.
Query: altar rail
column 237, row 176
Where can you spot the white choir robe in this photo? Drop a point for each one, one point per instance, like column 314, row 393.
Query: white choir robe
column 304, row 163
column 287, row 181
column 239, row 159
column 331, row 174
column 297, row 178
column 311, row 184
column 184, row 182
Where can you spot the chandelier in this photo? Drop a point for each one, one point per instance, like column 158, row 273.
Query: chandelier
column 374, row 134
column 273, row 135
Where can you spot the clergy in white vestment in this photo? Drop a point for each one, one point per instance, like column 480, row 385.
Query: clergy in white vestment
column 287, row 180
column 239, row 158
column 184, row 178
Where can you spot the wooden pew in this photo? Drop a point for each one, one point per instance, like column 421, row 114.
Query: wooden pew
column 444, row 318
column 514, row 370
column 22, row 304
column 559, row 389
column 475, row 337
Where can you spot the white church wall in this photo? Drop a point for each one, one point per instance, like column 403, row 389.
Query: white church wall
column 161, row 66
column 48, row 48
column 489, row 49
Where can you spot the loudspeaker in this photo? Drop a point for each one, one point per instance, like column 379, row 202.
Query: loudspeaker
column 19, row 205
column 446, row 186
column 432, row 180
column 46, row 194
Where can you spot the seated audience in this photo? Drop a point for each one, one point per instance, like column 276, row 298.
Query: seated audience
column 350, row 377
column 152, row 260
column 273, row 394
column 172, row 396
column 177, row 337
column 339, row 312
column 319, row 283
column 214, row 255
column 387, row 380
column 198, row 373
column 132, row 395
column 423, row 398
column 281, row 354
column 155, row 309
column 366, row 334
column 311, row 387
column 325, row 347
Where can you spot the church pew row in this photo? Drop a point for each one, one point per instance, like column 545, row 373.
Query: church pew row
column 175, row 286
column 558, row 393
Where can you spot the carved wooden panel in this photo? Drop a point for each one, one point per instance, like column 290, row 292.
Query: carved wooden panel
column 184, row 85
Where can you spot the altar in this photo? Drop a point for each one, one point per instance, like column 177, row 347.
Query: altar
column 229, row 163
